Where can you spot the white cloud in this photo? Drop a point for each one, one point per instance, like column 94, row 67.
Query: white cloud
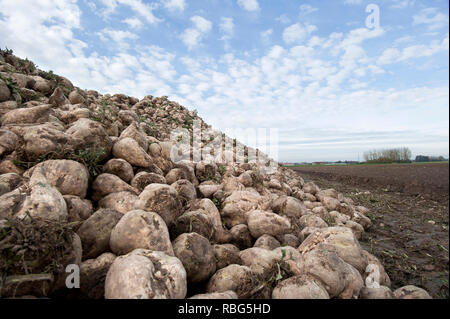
column 358, row 36
column 405, row 39
column 143, row 9
column 401, row 4
column 352, row 58
column 389, row 56
column 175, row 5
column 158, row 60
column 192, row 37
column 417, row 51
column 284, row 19
column 265, row 35
column 227, row 25
column 306, row 9
column 356, row 85
column 315, row 41
column 374, row 69
column 432, row 18
column 297, row 33
column 118, row 36
column 201, row 23
column 109, row 7
column 227, row 28
column 393, row 55
column 249, row 5
column 27, row 27
column 66, row 13
column 91, row 5
column 133, row 23
column 352, row 2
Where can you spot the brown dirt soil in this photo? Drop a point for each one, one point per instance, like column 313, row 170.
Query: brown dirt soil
column 410, row 214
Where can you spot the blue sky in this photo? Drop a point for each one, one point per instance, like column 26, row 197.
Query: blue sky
column 333, row 86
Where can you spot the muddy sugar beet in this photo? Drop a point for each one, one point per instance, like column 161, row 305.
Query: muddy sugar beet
column 138, row 224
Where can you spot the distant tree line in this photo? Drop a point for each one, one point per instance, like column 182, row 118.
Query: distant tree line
column 393, row 155
column 347, row 162
column 423, row 158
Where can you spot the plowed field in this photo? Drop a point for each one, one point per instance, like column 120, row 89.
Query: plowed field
column 410, row 213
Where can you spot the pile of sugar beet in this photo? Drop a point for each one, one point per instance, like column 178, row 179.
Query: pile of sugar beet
column 87, row 180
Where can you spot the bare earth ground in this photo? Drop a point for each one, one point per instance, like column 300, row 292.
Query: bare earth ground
column 410, row 213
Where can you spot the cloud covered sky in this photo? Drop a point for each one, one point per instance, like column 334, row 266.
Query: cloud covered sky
column 333, row 87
